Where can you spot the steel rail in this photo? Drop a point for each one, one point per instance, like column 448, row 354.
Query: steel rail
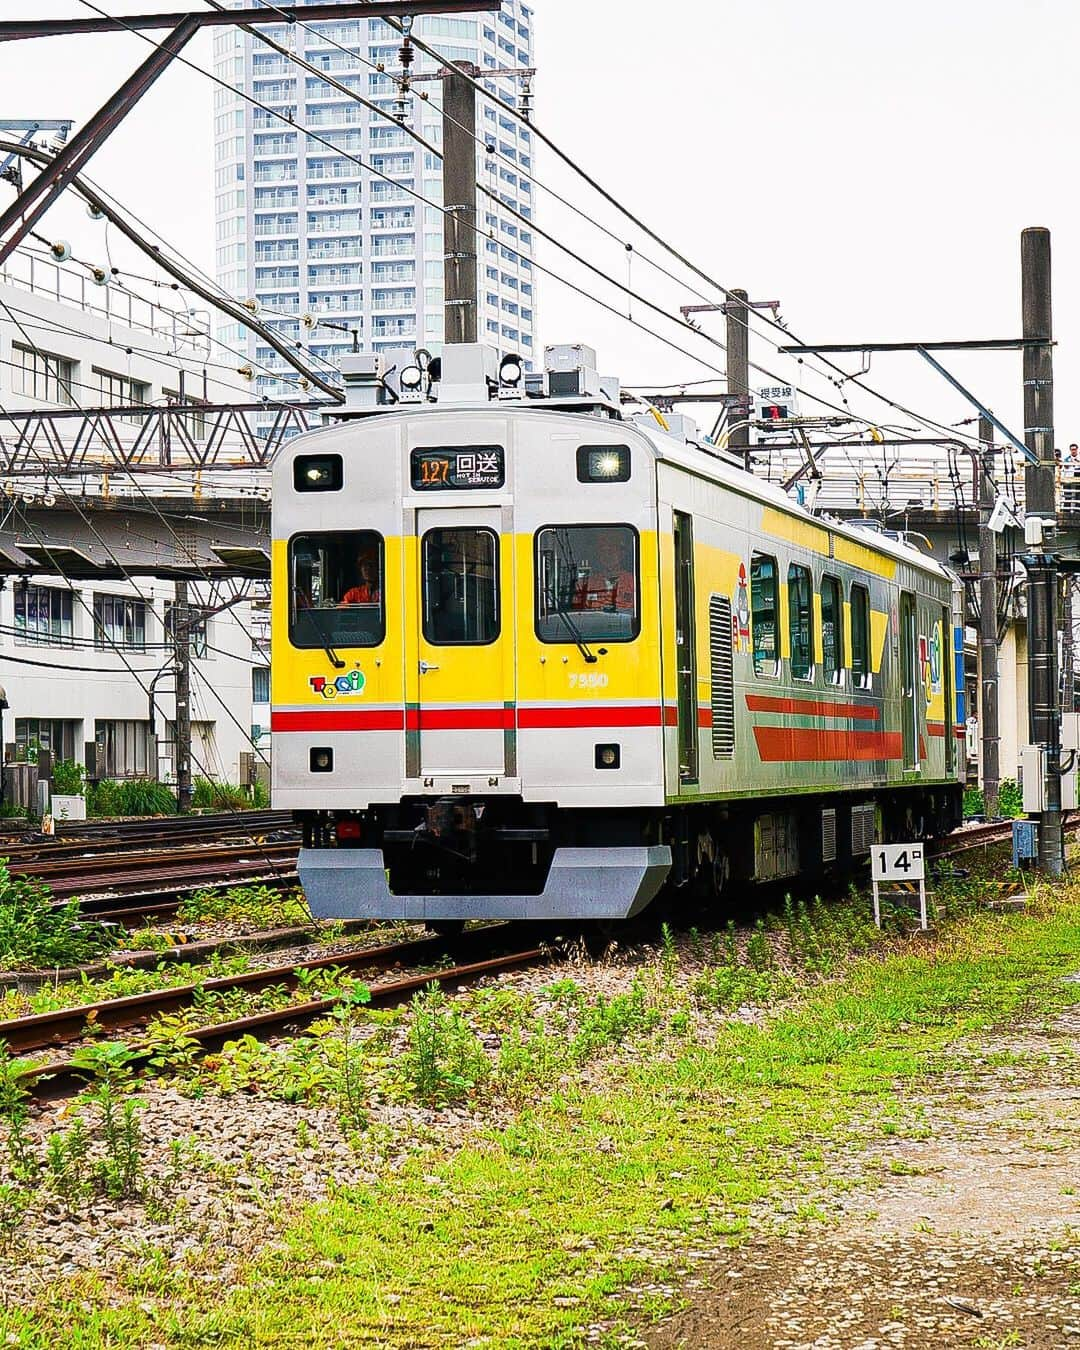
column 60, row 1079
column 40, row 1030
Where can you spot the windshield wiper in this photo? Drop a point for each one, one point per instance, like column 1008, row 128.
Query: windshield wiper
column 332, row 655
column 574, row 631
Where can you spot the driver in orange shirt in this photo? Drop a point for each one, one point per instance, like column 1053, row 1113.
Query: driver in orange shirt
column 366, row 591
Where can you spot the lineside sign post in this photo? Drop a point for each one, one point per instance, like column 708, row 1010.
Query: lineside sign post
column 894, row 868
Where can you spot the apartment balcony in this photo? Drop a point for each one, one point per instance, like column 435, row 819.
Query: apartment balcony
column 404, row 250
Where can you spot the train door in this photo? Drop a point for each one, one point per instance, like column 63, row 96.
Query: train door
column 464, row 644
column 910, row 685
column 686, row 648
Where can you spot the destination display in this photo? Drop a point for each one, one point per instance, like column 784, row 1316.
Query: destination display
column 472, row 466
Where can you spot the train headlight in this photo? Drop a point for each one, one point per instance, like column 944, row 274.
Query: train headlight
column 603, row 464
column 317, row 473
column 607, row 756
column 321, row 759
column 411, row 378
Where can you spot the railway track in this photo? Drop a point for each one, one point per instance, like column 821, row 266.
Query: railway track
column 471, row 953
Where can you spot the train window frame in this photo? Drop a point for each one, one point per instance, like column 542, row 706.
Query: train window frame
column 799, row 572
column 496, row 584
column 566, row 637
column 759, row 668
column 326, row 636
column 833, row 673
column 860, row 636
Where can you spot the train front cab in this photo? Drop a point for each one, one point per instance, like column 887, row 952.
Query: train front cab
column 493, row 750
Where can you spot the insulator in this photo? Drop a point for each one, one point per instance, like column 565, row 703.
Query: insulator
column 406, row 54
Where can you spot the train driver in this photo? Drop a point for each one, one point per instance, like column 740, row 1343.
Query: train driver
column 610, row 582
column 366, row 591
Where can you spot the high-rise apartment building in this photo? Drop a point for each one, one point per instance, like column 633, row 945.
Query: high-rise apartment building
column 314, row 238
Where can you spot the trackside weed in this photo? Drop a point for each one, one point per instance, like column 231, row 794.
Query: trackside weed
column 444, row 1061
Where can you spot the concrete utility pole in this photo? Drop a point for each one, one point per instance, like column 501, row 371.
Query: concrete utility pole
column 988, row 624
column 459, row 202
column 738, row 371
column 1068, row 655
column 181, row 626
column 1039, row 521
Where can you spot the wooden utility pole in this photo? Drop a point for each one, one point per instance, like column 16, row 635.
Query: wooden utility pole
column 738, row 372
column 459, row 203
column 1040, row 520
column 988, row 624
column 181, row 626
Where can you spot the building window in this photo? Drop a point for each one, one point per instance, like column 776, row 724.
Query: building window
column 763, row 607
column 197, row 627
column 260, row 684
column 123, row 749
column 119, row 622
column 43, row 615
column 194, row 422
column 33, row 734
column 42, row 375
column 120, row 391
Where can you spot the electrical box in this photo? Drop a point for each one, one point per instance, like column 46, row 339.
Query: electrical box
column 1025, row 842
column 1033, row 769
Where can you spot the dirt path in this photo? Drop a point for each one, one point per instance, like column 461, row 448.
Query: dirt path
column 971, row 1239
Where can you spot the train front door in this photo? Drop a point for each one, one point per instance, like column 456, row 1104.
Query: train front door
column 463, row 647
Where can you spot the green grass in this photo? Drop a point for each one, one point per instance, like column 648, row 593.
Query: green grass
column 537, row 1230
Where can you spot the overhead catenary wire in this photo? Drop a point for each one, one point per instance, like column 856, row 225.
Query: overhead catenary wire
column 497, row 199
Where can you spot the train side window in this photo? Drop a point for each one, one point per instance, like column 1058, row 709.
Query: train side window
column 587, row 583
column 764, row 604
column 801, row 621
column 832, row 631
column 860, row 637
column 461, row 587
column 336, row 589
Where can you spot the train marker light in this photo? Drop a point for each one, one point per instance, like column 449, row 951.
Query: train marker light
column 603, row 464
column 607, row 756
column 318, row 473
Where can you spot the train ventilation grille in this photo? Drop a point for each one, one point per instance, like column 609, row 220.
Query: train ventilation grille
column 863, row 821
column 828, row 835
column 723, row 677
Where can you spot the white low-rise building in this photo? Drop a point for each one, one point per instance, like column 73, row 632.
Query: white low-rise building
column 88, row 666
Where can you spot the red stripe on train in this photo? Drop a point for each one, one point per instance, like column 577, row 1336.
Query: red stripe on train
column 778, row 745
column 340, row 719
column 600, row 715
column 808, row 707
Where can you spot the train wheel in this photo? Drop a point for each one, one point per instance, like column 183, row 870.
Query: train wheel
column 445, row 928
column 713, row 871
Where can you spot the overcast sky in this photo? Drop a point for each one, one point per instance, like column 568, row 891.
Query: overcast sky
column 869, row 165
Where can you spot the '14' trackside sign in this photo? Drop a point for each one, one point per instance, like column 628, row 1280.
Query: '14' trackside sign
column 897, row 862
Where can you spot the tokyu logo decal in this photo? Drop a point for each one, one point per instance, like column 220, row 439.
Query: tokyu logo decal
column 343, row 686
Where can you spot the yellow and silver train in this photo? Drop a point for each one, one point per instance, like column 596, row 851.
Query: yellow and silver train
column 536, row 658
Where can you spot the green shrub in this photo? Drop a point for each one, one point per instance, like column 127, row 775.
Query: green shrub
column 36, row 933
column 974, row 802
column 214, row 796
column 68, row 778
column 132, row 797
column 260, row 796
column 1010, row 799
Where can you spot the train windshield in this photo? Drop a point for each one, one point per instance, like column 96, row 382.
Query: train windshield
column 587, row 583
column 336, row 589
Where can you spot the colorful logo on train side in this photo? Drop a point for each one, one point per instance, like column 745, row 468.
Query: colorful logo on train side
column 740, row 616
column 342, row 687
column 931, row 657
